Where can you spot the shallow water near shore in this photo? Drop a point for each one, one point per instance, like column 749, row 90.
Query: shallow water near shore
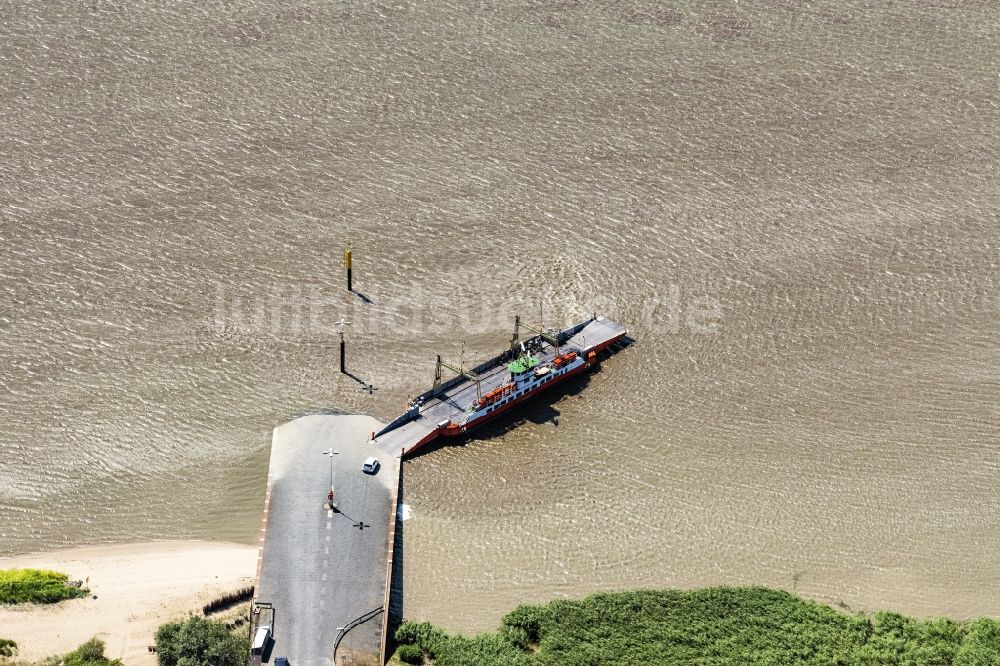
column 794, row 209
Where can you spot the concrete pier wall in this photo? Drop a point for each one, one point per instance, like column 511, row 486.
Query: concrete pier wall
column 322, row 569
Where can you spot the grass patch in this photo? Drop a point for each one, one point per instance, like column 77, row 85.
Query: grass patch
column 18, row 586
column 721, row 626
column 410, row 654
column 90, row 653
column 8, row 648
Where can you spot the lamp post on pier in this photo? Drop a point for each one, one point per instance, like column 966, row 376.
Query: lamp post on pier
column 330, row 452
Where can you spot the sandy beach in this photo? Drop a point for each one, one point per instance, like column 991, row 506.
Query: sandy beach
column 138, row 588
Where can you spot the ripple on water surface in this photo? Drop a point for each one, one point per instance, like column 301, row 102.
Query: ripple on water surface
column 792, row 207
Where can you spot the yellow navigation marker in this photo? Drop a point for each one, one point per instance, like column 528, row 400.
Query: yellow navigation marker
column 347, row 265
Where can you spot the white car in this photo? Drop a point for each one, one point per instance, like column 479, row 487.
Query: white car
column 371, row 466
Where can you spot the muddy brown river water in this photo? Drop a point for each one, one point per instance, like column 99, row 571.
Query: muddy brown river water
column 793, row 206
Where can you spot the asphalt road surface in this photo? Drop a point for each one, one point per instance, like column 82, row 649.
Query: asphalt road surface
column 322, row 569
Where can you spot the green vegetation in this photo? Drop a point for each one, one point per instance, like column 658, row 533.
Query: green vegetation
column 200, row 642
column 721, row 626
column 90, row 653
column 410, row 654
column 8, row 648
column 18, row 586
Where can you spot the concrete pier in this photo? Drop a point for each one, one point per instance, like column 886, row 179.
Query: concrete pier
column 326, row 561
column 323, row 570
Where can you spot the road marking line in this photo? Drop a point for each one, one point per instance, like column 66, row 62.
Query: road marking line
column 324, row 576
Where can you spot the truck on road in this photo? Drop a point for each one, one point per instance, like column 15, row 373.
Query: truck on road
column 261, row 639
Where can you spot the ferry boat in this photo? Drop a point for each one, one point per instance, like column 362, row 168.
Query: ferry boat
column 474, row 396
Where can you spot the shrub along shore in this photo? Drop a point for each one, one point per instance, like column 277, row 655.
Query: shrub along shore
column 38, row 586
column 721, row 626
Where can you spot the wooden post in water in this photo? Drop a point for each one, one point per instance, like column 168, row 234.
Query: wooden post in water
column 343, row 364
column 347, row 265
